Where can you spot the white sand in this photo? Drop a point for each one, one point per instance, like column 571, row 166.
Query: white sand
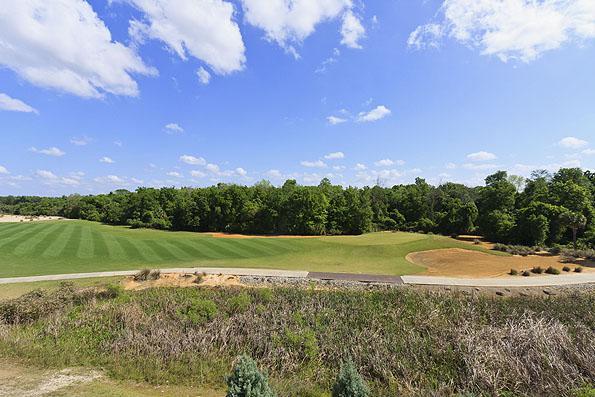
column 22, row 218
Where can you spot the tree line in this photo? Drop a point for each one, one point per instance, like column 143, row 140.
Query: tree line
column 544, row 209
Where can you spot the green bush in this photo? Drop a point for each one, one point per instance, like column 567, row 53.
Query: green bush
column 578, row 269
column 349, row 382
column 239, row 303
column 247, row 381
column 513, row 272
column 199, row 311
column 566, row 269
column 526, row 273
column 552, row 270
column 537, row 270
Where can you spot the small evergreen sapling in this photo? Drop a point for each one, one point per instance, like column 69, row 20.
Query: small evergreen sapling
column 247, row 381
column 349, row 382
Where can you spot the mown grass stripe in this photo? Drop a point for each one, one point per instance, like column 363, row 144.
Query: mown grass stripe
column 162, row 252
column 8, row 244
column 133, row 254
column 6, row 230
column 85, row 249
column 71, row 247
column 253, row 247
column 196, row 251
column 222, row 249
column 100, row 249
column 115, row 250
column 44, row 240
column 9, row 234
column 59, row 243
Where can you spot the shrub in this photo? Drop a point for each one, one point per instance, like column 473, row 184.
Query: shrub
column 555, row 249
column 239, row 303
column 526, row 273
column 349, row 382
column 247, row 381
column 578, row 269
column 537, row 270
column 552, row 270
column 566, row 269
column 143, row 275
column 199, row 311
column 154, row 275
column 513, row 272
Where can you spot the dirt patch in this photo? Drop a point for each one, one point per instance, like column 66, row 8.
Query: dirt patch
column 456, row 262
column 23, row 218
column 232, row 235
column 475, row 240
column 183, row 281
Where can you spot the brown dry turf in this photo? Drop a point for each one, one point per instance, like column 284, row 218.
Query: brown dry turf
column 455, row 262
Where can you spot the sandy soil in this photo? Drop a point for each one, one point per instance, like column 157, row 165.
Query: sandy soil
column 22, row 218
column 232, row 235
column 182, row 280
column 456, row 262
column 472, row 239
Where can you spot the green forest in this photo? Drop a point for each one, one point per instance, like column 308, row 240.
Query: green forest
column 545, row 209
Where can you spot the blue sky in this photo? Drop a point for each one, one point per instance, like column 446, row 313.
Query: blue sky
column 99, row 95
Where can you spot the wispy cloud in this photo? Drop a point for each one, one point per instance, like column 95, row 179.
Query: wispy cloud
column 51, row 151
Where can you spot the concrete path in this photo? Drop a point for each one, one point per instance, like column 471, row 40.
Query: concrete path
column 533, row 281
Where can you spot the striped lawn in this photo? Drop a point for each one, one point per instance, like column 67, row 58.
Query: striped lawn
column 78, row 246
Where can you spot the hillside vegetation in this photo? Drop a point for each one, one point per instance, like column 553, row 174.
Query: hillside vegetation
column 403, row 342
column 545, row 209
column 56, row 247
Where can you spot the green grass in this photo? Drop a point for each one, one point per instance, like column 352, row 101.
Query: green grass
column 28, row 249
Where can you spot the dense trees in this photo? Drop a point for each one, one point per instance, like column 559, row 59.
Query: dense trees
column 543, row 209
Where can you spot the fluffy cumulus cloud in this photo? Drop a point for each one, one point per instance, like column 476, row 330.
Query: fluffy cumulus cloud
column 192, row 160
column 334, row 120
column 388, row 163
column 106, row 160
column 3, row 170
column 173, row 128
column 80, row 141
column 51, row 151
column 313, row 164
column 288, row 23
column 174, row 174
column 571, row 142
column 481, row 156
column 510, row 29
column 14, row 105
column 203, row 29
column 334, row 156
column 49, row 178
column 204, row 77
column 64, row 45
column 379, row 112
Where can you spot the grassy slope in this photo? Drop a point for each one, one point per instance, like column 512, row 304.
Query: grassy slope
column 80, row 246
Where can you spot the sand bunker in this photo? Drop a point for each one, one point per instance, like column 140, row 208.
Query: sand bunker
column 456, row 262
column 23, row 218
column 232, row 235
column 182, row 280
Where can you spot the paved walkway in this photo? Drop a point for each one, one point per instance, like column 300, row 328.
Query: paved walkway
column 533, row 281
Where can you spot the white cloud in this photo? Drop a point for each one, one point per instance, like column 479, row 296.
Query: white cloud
column 241, row 172
column 203, row 76
column 49, row 178
column 334, row 120
column 352, row 30
column 12, row 104
column 360, row 167
column 80, row 141
column 118, row 143
column 510, row 29
column 51, row 151
column 571, row 142
column 479, row 167
column 173, row 128
column 197, row 174
column 329, row 61
column 589, row 152
column 174, row 174
column 192, row 160
column 3, row 170
column 106, row 160
column 214, row 168
column 64, row 45
column 388, row 163
column 450, row 166
column 112, row 180
column 481, row 156
column 379, row 112
column 204, row 29
column 288, row 23
column 313, row 164
column 274, row 174
column 335, row 156
column 339, row 167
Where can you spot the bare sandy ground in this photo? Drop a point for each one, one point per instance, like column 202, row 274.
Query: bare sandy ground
column 456, row 262
column 22, row 218
column 182, row 280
